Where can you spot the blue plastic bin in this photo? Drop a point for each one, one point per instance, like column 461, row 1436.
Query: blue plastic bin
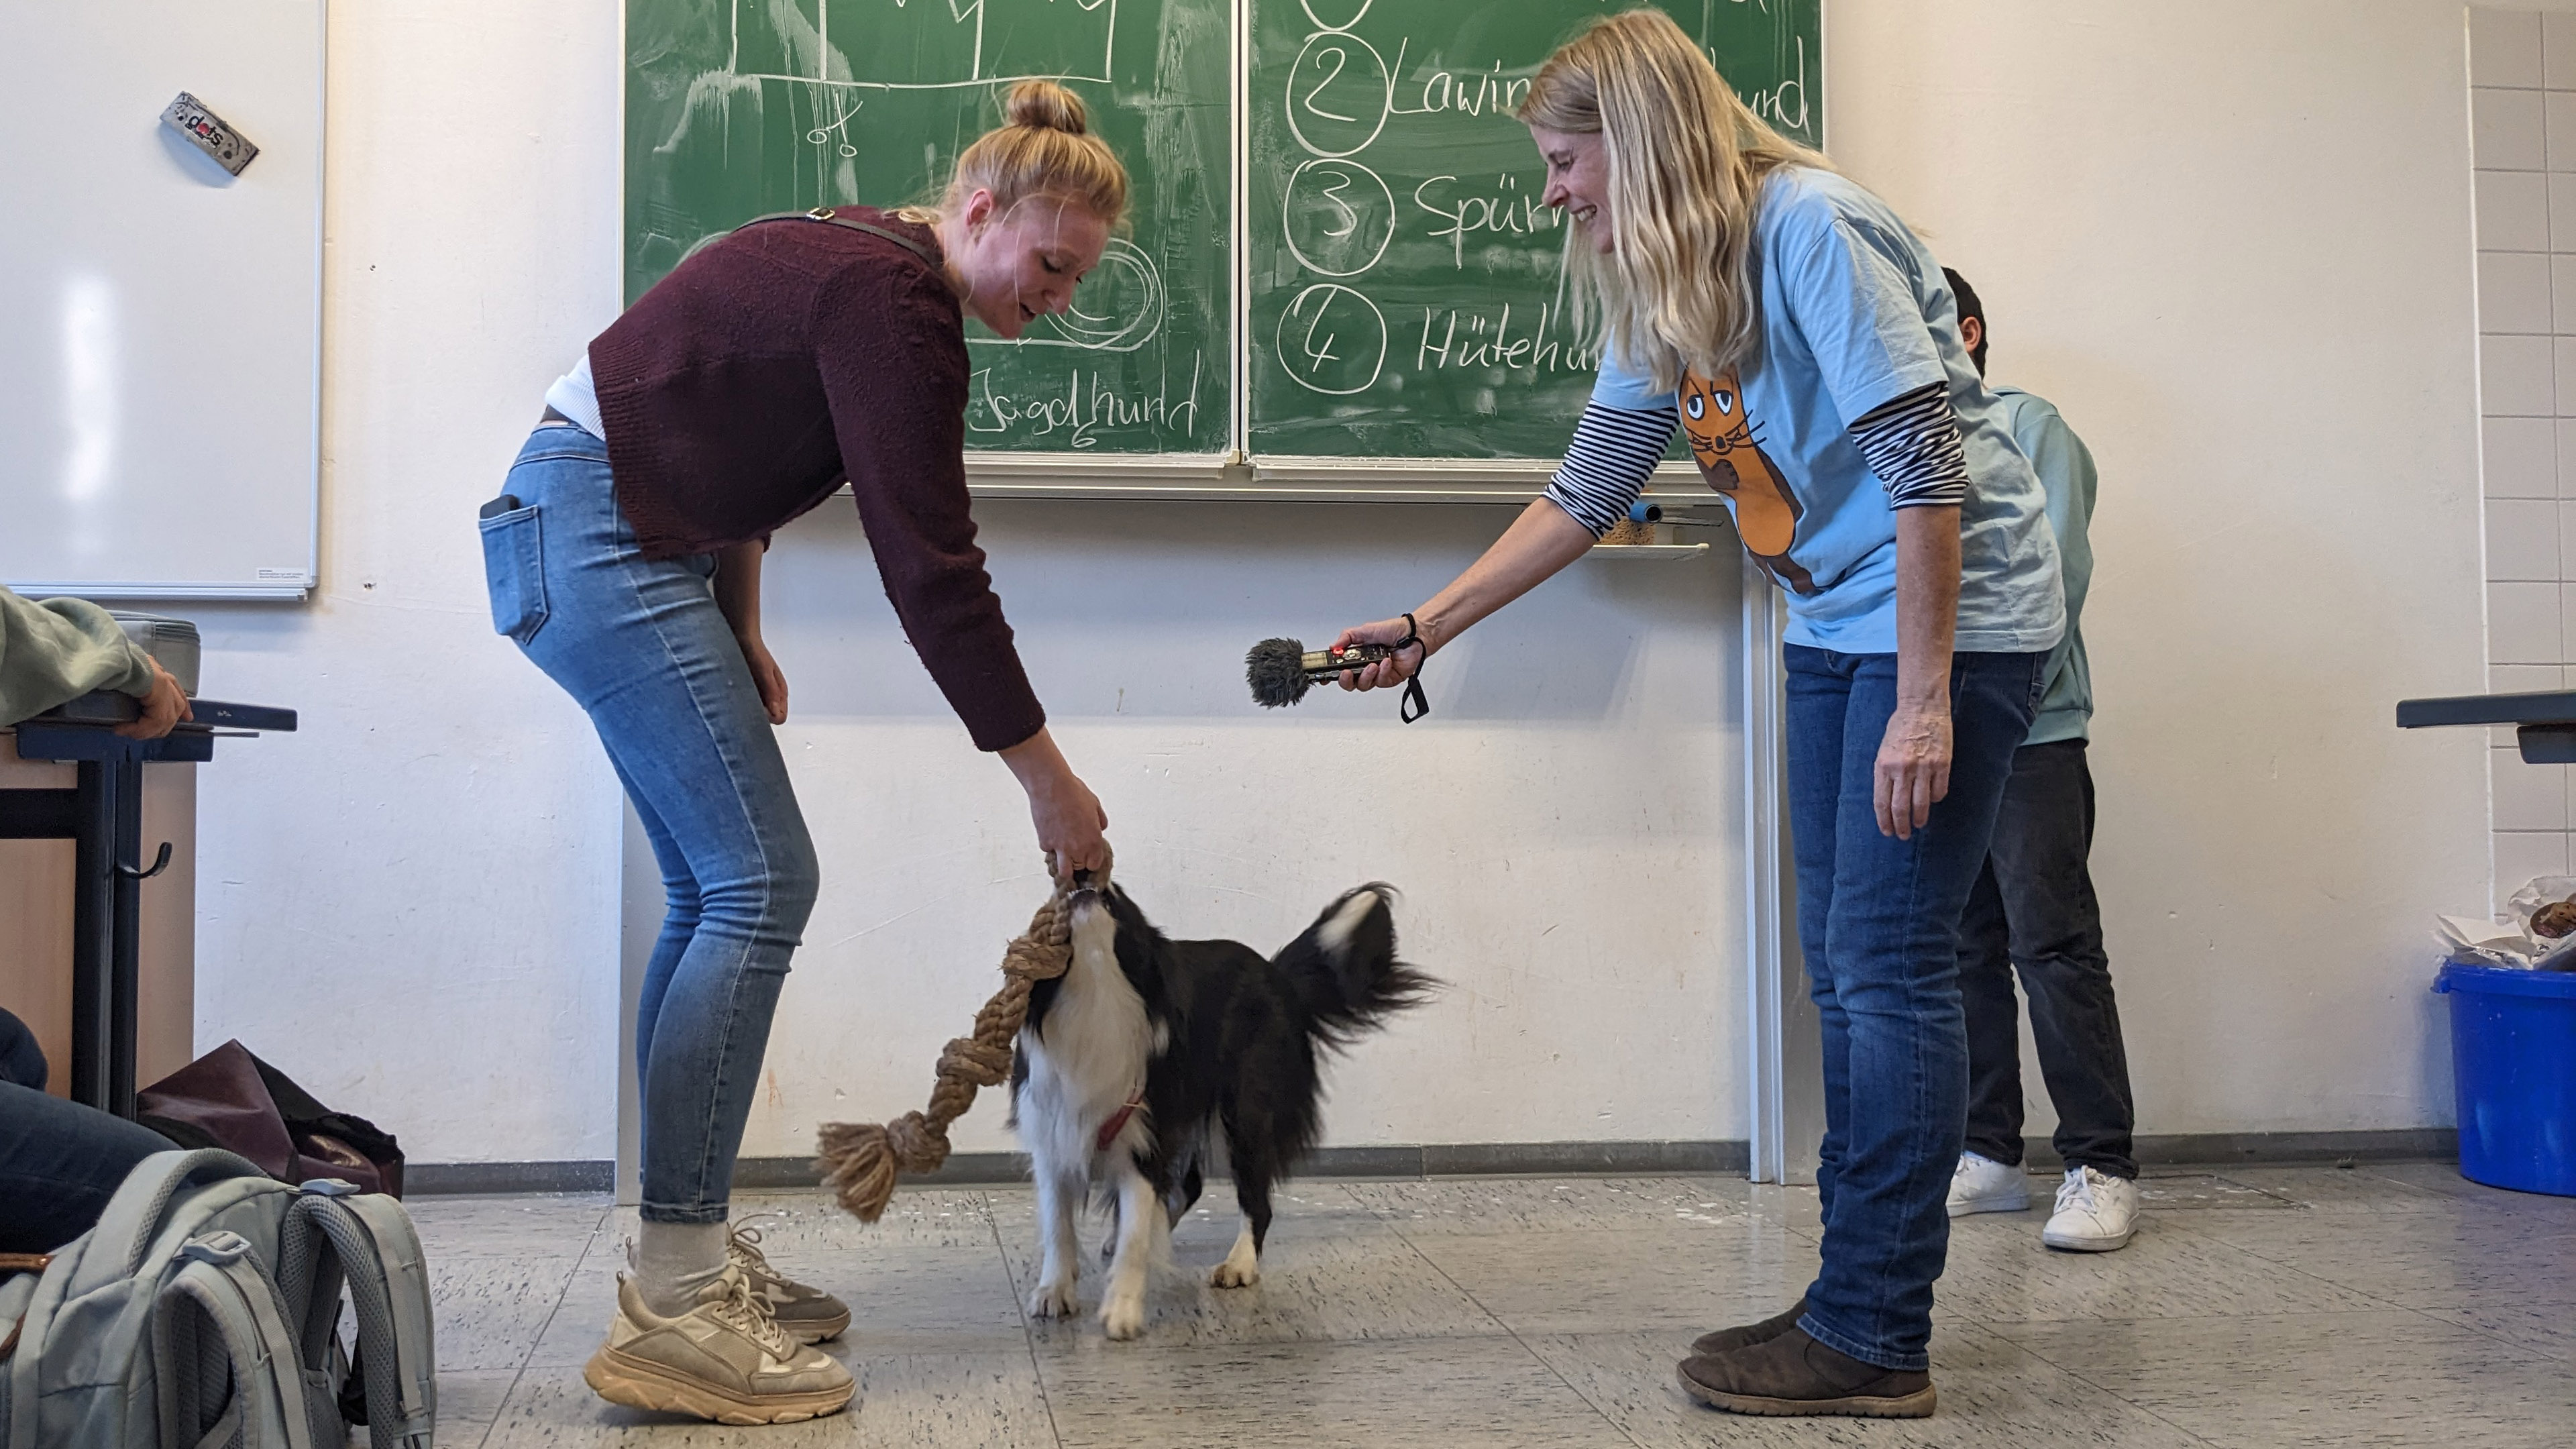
column 2513, row 1058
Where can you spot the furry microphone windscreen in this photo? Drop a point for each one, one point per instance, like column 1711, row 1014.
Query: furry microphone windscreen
column 1276, row 670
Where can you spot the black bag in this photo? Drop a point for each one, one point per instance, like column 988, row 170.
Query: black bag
column 231, row 1099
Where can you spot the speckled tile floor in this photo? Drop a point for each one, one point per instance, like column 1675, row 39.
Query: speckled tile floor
column 2392, row 1305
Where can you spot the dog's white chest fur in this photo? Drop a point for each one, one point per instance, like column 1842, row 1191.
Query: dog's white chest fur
column 1088, row 1058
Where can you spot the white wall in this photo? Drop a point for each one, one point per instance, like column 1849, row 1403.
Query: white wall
column 1563, row 826
column 2231, row 240
column 411, row 904
column 2522, row 69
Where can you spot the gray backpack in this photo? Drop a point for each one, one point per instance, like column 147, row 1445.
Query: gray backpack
column 203, row 1312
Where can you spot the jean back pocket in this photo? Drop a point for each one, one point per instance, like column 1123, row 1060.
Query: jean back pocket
column 514, row 569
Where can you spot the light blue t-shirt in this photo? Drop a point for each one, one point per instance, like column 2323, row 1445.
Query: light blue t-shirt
column 1855, row 313
column 2065, row 468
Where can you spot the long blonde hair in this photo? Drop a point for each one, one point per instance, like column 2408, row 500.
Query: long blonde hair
column 1686, row 162
column 1044, row 148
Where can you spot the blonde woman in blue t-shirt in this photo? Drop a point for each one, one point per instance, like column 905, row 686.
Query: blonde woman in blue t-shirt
column 1805, row 342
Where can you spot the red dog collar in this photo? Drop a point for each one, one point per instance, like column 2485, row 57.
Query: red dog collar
column 1116, row 1124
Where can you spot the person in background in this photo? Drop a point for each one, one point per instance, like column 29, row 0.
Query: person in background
column 53, row 651
column 2033, row 910
column 60, row 1161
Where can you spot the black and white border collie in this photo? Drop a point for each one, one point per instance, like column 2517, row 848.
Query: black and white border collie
column 1152, row 1062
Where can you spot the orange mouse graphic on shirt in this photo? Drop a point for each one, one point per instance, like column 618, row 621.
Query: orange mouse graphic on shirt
column 1721, row 438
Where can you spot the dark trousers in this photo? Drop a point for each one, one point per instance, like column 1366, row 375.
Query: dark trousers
column 2032, row 911
column 59, row 1161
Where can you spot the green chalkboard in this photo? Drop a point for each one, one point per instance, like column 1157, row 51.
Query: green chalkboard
column 1405, row 294
column 1402, row 290
column 735, row 108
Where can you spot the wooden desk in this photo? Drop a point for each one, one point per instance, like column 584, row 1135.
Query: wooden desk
column 36, row 923
column 114, row 865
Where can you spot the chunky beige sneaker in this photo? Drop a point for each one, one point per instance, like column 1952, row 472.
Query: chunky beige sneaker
column 809, row 1314
column 725, row 1359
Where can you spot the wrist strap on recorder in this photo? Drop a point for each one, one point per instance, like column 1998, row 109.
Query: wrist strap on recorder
column 1413, row 706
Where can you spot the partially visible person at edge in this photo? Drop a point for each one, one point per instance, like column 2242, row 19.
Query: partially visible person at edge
column 743, row 389
column 60, row 1161
column 2033, row 910
column 1804, row 340
column 53, row 651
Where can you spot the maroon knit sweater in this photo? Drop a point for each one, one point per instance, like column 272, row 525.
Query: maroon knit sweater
column 752, row 380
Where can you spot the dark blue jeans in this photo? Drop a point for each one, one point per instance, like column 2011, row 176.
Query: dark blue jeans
column 59, row 1164
column 59, row 1161
column 641, row 645
column 1878, row 920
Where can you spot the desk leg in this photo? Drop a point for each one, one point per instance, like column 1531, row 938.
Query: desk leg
column 125, row 961
column 94, row 935
column 106, row 925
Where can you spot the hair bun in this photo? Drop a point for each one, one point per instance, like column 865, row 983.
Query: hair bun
column 1046, row 106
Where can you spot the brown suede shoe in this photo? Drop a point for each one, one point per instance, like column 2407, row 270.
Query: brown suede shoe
column 1728, row 1340
column 1794, row 1375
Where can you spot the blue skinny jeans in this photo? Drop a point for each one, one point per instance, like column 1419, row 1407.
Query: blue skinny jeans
column 641, row 645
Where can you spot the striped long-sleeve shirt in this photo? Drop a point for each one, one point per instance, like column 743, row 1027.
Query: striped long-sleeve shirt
column 1911, row 443
column 1861, row 403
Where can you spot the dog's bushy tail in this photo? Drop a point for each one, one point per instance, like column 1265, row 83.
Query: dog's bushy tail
column 1344, row 970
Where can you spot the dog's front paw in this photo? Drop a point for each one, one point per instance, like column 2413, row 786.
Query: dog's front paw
column 1054, row 1300
column 1242, row 1266
column 1123, row 1315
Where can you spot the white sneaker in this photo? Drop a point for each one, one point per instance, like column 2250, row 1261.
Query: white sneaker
column 2096, row 1213
column 1983, row 1185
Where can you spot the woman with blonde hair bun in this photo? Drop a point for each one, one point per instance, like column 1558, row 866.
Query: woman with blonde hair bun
column 1808, row 346
column 623, row 557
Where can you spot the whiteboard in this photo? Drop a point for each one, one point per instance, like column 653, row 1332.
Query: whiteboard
column 160, row 320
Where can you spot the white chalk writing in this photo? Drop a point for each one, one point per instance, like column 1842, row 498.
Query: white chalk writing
column 1454, row 339
column 1087, row 406
column 1473, row 93
column 1507, row 208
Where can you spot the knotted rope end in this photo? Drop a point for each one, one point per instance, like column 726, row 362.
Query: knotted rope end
column 860, row 1161
column 857, row 1167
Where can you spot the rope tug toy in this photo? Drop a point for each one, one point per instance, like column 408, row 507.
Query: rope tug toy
column 861, row 1160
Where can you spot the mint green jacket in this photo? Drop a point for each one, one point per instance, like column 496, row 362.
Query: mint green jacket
column 2065, row 469
column 56, row 650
